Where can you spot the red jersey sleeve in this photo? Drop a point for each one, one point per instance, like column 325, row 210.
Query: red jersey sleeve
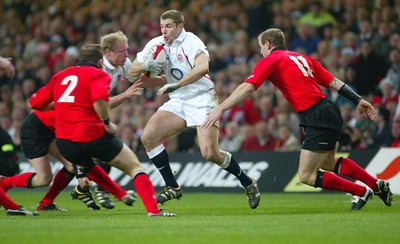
column 322, row 75
column 40, row 99
column 297, row 76
column 263, row 69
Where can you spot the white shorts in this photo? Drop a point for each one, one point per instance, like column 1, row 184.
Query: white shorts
column 194, row 110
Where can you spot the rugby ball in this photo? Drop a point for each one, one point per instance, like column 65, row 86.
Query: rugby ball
column 156, row 52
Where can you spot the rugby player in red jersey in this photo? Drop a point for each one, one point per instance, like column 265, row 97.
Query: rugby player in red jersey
column 298, row 77
column 80, row 96
column 38, row 141
column 12, row 208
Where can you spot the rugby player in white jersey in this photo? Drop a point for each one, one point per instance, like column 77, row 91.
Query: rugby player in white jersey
column 192, row 96
column 116, row 63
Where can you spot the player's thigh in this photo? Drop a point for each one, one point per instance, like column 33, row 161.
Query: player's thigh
column 330, row 160
column 162, row 125
column 53, row 151
column 208, row 138
column 312, row 161
column 35, row 148
column 41, row 166
column 127, row 161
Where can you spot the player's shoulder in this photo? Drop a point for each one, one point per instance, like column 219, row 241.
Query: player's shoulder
column 93, row 71
column 190, row 37
column 297, row 54
column 192, row 42
column 288, row 56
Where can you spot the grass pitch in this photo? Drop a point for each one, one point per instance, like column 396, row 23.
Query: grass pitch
column 208, row 218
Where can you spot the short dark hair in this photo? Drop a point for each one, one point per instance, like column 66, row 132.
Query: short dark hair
column 175, row 15
column 274, row 35
column 90, row 53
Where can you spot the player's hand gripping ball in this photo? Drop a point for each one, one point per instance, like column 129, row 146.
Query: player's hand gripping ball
column 154, row 60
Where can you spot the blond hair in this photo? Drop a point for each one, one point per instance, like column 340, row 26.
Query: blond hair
column 110, row 40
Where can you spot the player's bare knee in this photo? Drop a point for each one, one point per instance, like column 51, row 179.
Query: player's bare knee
column 41, row 180
column 307, row 179
column 146, row 140
column 135, row 167
column 209, row 155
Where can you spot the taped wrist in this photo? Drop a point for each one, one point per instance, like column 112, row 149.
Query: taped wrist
column 81, row 171
column 350, row 94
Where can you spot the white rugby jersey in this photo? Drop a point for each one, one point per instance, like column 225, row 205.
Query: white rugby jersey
column 116, row 72
column 180, row 61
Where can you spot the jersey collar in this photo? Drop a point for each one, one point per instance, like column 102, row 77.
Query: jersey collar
column 182, row 36
column 84, row 63
column 279, row 48
column 107, row 64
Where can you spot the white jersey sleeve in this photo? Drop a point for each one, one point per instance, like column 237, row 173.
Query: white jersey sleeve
column 194, row 47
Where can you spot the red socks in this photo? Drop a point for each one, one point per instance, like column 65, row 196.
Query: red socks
column 98, row 175
column 145, row 189
column 6, row 201
column 349, row 168
column 60, row 181
column 20, row 180
column 333, row 182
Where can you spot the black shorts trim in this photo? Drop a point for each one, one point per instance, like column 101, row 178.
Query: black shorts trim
column 322, row 125
column 106, row 148
column 35, row 137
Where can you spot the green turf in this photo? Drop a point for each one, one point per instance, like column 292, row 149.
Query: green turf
column 208, row 218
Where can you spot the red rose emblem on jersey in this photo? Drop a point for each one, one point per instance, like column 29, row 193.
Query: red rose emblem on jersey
column 180, row 58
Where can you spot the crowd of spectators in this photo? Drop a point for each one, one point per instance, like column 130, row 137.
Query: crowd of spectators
column 357, row 41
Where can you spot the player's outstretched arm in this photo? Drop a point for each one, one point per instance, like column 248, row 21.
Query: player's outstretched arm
column 134, row 90
column 137, row 69
column 200, row 68
column 364, row 107
column 239, row 94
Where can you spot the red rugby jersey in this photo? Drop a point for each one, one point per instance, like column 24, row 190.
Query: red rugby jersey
column 296, row 75
column 73, row 91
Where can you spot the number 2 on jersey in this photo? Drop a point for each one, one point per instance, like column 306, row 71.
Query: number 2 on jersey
column 303, row 65
column 71, row 81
